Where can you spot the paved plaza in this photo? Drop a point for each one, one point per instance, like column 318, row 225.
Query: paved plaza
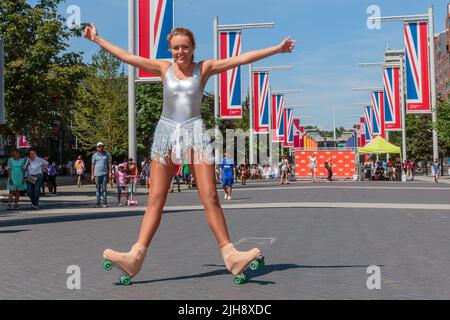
column 318, row 239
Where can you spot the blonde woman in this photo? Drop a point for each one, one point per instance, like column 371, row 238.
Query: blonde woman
column 180, row 136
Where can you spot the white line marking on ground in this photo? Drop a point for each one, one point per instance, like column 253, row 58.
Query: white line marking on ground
column 260, row 241
column 272, row 205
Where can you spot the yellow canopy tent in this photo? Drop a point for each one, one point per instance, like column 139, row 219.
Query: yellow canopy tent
column 379, row 145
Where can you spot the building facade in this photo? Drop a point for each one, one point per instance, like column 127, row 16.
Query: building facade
column 442, row 60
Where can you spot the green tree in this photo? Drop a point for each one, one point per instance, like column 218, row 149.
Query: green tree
column 40, row 75
column 101, row 107
column 443, row 126
column 418, row 137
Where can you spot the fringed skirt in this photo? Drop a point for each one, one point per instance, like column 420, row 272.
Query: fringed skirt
column 177, row 139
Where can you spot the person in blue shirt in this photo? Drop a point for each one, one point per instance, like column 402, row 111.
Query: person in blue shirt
column 100, row 172
column 227, row 174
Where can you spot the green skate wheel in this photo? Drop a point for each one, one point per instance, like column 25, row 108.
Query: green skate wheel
column 107, row 265
column 255, row 265
column 240, row 279
column 125, row 280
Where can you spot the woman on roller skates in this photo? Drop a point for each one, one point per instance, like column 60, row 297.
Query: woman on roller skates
column 181, row 136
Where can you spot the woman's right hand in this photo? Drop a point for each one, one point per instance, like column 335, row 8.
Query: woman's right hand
column 11, row 183
column 90, row 32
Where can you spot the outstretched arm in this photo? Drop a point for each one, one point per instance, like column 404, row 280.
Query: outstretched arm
column 211, row 67
column 149, row 65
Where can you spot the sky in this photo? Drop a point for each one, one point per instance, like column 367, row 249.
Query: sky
column 332, row 38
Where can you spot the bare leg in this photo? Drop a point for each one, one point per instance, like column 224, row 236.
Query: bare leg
column 131, row 262
column 160, row 180
column 204, row 175
column 10, row 197
column 235, row 261
column 16, row 201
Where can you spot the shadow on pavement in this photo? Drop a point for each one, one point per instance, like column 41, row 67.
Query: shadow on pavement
column 75, row 217
column 251, row 274
column 12, row 231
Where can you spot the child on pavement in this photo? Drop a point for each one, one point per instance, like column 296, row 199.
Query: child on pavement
column 121, row 179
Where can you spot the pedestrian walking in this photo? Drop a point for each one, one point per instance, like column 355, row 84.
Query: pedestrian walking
column 181, row 132
column 244, row 173
column 44, row 177
column 228, row 175
column 284, row 170
column 133, row 172
column 52, row 172
column 80, row 169
column 412, row 168
column 329, row 167
column 313, row 167
column 145, row 173
column 187, row 175
column 100, row 172
column 436, row 169
column 176, row 178
column 35, row 167
column 16, row 179
column 122, row 181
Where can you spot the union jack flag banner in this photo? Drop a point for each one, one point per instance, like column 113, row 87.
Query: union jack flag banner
column 358, row 135
column 362, row 124
column 378, row 114
column 289, row 128
column 297, row 133
column 277, row 118
column 301, row 135
column 261, row 102
column 23, row 142
column 392, row 107
column 417, row 67
column 156, row 21
column 230, row 81
column 368, row 115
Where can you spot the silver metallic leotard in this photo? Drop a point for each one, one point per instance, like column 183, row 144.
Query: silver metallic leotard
column 182, row 98
column 181, row 126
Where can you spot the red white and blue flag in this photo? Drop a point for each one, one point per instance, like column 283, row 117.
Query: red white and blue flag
column 417, row 67
column 362, row 127
column 261, row 102
column 378, row 113
column 368, row 115
column 278, row 118
column 156, row 21
column 289, row 128
column 392, row 107
column 297, row 133
column 23, row 142
column 230, row 81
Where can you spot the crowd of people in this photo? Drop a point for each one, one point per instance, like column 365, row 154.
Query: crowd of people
column 388, row 169
column 33, row 174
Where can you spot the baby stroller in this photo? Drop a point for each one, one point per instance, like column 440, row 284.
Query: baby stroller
column 130, row 201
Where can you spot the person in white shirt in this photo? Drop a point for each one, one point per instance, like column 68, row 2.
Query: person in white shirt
column 313, row 167
column 35, row 167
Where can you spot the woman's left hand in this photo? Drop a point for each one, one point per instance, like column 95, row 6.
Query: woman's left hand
column 288, row 45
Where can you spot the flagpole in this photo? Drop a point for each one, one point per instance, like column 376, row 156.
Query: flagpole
column 403, row 108
column 131, row 83
column 216, row 90
column 250, row 102
column 433, row 81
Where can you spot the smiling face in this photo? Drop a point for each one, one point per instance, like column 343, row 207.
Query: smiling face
column 182, row 49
